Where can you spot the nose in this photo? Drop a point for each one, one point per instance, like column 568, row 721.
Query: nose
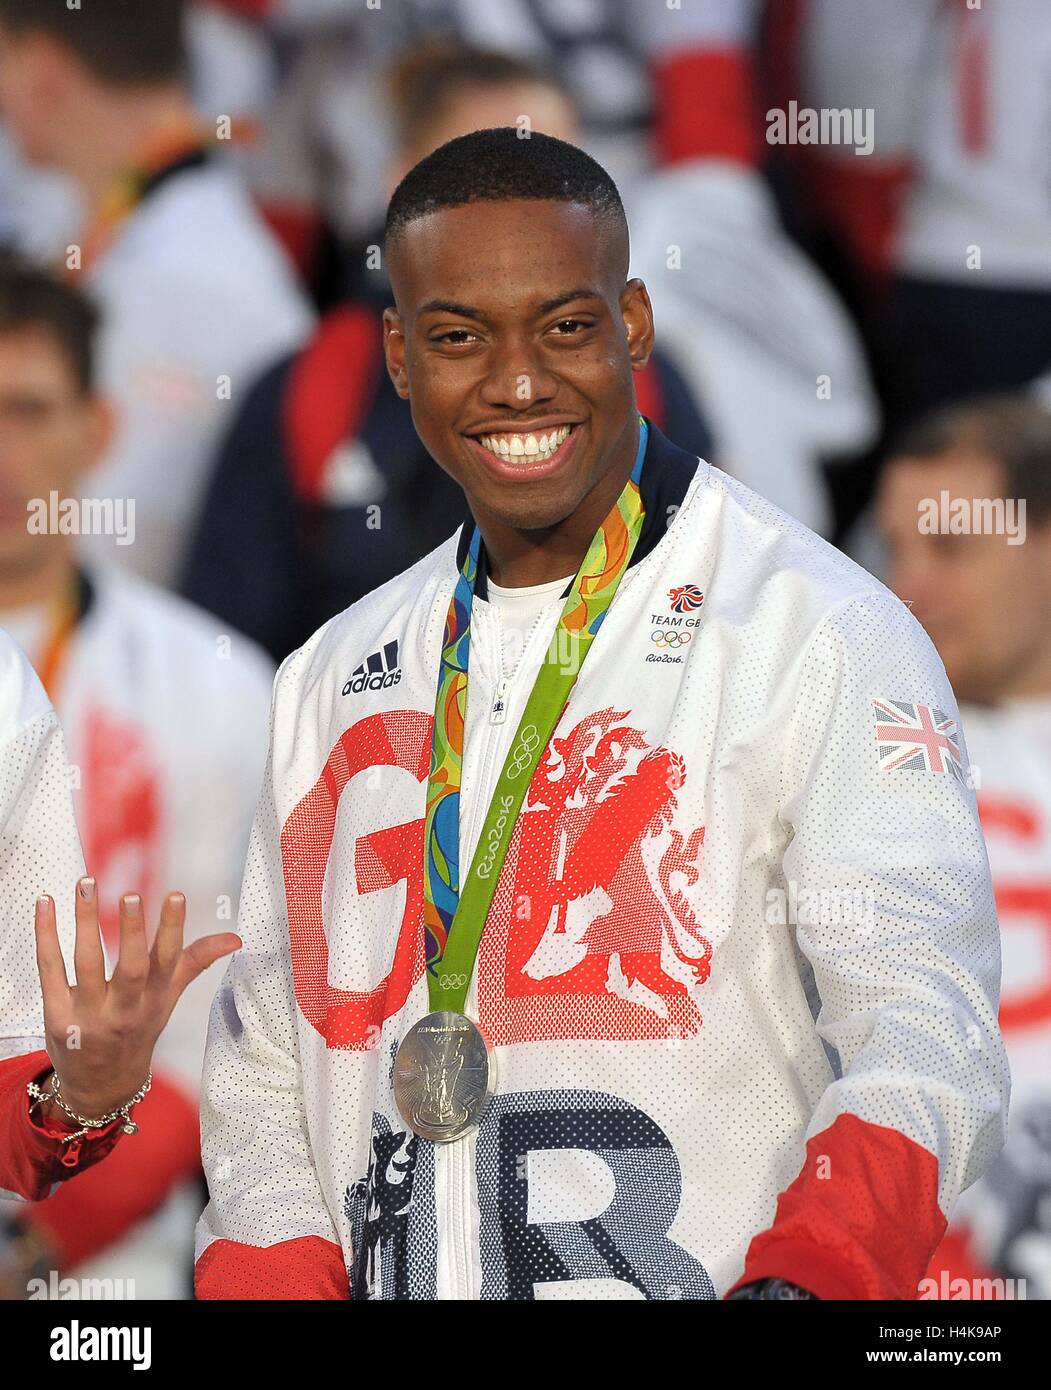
column 516, row 378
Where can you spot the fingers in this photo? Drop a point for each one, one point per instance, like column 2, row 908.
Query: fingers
column 167, row 945
column 199, row 955
column 50, row 966
column 88, row 959
column 133, row 964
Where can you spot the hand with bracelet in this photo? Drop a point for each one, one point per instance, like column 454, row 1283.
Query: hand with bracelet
column 101, row 1033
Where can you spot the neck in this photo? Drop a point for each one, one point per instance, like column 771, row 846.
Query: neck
column 519, row 558
column 22, row 588
column 118, row 128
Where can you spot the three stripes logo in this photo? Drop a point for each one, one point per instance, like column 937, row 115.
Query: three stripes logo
column 378, row 672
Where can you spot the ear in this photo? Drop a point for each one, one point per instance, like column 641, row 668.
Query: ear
column 637, row 313
column 394, row 351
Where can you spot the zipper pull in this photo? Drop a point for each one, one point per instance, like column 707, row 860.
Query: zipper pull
column 71, row 1157
column 498, row 713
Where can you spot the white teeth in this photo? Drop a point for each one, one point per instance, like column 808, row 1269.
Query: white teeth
column 519, row 446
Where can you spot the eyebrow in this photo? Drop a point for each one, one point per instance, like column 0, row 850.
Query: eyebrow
column 449, row 306
column 568, row 298
column 465, row 311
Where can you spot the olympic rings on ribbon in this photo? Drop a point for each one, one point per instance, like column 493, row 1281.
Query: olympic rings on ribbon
column 522, row 750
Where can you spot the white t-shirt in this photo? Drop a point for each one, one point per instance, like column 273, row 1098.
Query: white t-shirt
column 520, row 610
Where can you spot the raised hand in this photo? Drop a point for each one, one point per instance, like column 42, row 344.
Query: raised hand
column 101, row 1033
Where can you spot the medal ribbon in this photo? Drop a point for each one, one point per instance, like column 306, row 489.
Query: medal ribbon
column 66, row 608
column 454, row 920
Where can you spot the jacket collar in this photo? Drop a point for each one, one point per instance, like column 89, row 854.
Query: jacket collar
column 667, row 472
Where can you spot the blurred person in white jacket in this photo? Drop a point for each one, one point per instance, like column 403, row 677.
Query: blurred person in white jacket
column 984, row 594
column 75, row 1036
column 197, row 295
column 165, row 718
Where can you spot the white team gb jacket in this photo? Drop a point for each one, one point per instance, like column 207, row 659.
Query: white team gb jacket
column 740, row 971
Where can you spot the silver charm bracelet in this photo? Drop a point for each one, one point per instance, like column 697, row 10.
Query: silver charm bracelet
column 37, row 1096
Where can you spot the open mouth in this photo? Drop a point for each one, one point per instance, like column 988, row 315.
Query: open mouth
column 536, row 446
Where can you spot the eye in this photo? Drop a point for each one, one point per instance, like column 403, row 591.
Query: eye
column 454, row 336
column 566, row 328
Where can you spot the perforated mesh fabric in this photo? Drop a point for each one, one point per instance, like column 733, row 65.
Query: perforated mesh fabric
column 39, row 846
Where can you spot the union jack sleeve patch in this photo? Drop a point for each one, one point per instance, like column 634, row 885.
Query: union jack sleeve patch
column 916, row 737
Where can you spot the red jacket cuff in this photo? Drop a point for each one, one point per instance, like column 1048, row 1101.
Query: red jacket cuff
column 77, row 1221
column 307, row 1267
column 33, row 1156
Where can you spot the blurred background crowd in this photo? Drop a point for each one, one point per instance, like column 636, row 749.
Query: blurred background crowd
column 843, row 214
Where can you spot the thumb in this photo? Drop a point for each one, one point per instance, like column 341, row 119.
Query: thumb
column 199, row 955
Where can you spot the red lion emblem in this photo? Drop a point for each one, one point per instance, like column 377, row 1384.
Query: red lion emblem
column 585, row 938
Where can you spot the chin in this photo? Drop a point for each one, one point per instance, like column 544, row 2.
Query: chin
column 540, row 517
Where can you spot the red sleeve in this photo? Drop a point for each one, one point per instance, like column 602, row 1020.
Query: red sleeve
column 307, row 1268
column 32, row 1157
column 860, row 1221
column 90, row 1214
column 330, row 388
column 298, row 227
column 706, row 106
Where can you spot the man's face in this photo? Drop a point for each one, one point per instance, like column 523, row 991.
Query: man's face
column 985, row 604
column 514, row 341
column 50, row 434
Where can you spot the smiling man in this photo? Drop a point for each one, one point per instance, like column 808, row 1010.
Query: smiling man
column 617, row 921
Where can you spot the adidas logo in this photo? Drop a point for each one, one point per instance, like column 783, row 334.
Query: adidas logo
column 380, row 671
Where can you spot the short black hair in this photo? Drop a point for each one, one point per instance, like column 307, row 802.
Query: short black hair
column 499, row 166
column 1014, row 430
column 122, row 42
column 33, row 298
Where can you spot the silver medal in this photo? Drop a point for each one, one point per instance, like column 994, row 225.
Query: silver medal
column 443, row 1077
